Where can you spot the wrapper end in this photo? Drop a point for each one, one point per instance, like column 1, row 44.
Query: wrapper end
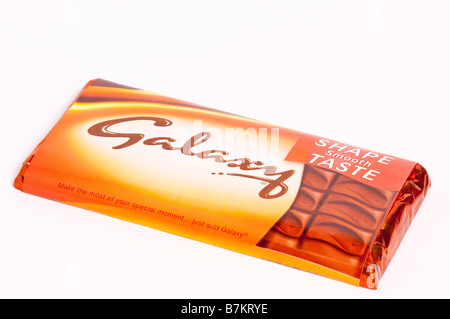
column 18, row 182
column 20, row 179
column 397, row 222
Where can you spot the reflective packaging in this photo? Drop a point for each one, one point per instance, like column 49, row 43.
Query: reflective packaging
column 282, row 195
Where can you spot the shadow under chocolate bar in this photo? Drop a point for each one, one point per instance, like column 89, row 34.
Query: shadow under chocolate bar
column 332, row 221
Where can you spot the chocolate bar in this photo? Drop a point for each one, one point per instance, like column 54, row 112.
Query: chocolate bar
column 297, row 199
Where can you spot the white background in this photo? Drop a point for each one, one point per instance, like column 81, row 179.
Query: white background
column 368, row 73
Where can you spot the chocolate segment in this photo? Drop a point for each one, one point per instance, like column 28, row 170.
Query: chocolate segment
column 352, row 211
column 291, row 226
column 366, row 194
column 308, row 199
column 339, row 234
column 332, row 221
column 317, row 178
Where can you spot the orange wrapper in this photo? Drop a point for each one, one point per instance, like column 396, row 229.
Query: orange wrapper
column 266, row 191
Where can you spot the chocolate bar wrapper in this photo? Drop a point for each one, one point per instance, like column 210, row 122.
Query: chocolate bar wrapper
column 270, row 192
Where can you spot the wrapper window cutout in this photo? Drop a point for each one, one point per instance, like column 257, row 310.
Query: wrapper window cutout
column 270, row 192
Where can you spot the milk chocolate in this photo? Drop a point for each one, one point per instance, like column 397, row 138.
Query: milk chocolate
column 339, row 219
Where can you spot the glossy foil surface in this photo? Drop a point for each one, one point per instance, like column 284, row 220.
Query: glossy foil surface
column 315, row 204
